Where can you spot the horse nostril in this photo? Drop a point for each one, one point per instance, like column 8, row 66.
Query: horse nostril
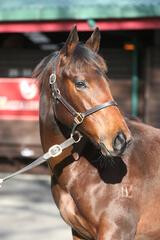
column 119, row 142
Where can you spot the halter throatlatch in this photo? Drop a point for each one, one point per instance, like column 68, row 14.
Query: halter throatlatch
column 78, row 117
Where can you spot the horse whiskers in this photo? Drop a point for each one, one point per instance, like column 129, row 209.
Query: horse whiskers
column 112, row 161
column 97, row 159
column 104, row 161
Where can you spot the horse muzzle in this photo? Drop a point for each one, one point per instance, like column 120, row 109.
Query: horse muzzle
column 119, row 145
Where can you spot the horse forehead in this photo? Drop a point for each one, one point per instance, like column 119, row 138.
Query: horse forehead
column 95, row 74
column 87, row 71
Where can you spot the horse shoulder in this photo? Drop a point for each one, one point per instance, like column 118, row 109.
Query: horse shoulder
column 70, row 212
column 144, row 168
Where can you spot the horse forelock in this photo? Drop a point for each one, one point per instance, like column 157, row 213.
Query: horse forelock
column 83, row 59
column 42, row 69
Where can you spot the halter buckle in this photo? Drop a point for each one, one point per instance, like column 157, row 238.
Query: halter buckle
column 78, row 119
column 52, row 78
column 55, row 150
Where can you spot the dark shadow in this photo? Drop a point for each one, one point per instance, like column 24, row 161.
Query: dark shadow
column 111, row 170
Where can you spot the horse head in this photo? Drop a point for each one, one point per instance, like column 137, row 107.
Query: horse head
column 80, row 80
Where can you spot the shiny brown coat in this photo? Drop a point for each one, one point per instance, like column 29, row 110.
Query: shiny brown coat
column 102, row 198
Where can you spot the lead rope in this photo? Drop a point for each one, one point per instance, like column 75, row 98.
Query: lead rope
column 53, row 151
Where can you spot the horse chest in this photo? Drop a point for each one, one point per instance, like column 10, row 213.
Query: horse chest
column 91, row 195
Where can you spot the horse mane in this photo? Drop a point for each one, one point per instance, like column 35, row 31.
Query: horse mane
column 81, row 60
column 41, row 70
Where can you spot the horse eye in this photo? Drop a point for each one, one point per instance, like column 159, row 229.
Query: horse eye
column 80, row 84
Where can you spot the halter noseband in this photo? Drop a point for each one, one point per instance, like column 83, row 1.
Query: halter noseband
column 78, row 116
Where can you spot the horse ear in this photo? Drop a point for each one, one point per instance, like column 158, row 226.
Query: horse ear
column 71, row 42
column 94, row 41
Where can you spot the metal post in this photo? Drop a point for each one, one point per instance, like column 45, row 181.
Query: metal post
column 135, row 81
column 91, row 23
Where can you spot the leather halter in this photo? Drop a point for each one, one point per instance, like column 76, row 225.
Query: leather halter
column 78, row 117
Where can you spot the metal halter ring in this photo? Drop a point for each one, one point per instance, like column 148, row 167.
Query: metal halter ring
column 76, row 136
column 78, row 119
column 52, row 78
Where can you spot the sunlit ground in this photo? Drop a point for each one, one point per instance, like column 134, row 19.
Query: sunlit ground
column 27, row 210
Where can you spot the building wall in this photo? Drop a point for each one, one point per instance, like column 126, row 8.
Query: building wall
column 152, row 87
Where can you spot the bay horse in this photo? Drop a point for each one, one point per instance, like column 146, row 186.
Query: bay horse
column 106, row 186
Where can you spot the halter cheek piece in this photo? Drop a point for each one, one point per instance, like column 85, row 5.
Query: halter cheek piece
column 78, row 117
